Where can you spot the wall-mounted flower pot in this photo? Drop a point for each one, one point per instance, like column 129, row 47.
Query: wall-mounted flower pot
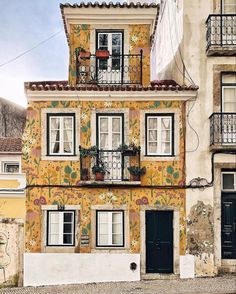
column 134, row 178
column 102, row 54
column 99, row 176
column 84, row 55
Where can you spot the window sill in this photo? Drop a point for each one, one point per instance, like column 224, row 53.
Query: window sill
column 59, row 249
column 110, row 183
column 60, row 157
column 110, row 249
column 159, row 158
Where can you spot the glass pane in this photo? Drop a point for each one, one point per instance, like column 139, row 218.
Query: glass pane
column 55, row 123
column 67, row 239
column 103, row 217
column 104, row 141
column 103, row 41
column 116, row 141
column 103, row 240
column 67, row 217
column 116, row 228
column 152, row 148
column 103, row 229
column 116, row 217
column 102, row 65
column 55, row 136
column 116, row 63
column 165, row 123
column 228, row 181
column 116, row 124
column 55, row 147
column 54, row 217
column 116, row 51
column 67, row 228
column 230, row 8
column 165, row 136
column 11, row 168
column 230, row 107
column 152, row 123
column 165, row 148
column 116, row 239
column 54, row 240
column 67, row 136
column 68, row 123
column 104, row 124
column 229, row 78
column 67, row 147
column 54, row 228
column 152, row 135
column 116, row 39
column 230, row 94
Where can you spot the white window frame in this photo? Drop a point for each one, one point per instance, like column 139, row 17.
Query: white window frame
column 223, row 95
column 228, row 172
column 110, row 232
column 159, row 140
column 61, row 131
column 10, row 162
column 61, row 224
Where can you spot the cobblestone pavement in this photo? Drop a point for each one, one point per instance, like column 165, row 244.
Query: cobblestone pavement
column 225, row 284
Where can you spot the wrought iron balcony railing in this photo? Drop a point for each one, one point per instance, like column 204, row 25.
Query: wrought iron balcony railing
column 123, row 69
column 221, row 30
column 223, row 129
column 114, row 162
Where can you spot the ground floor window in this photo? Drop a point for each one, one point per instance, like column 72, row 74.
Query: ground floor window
column 61, row 227
column 110, row 228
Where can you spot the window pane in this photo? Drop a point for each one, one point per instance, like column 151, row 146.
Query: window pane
column 165, row 148
column 55, row 123
column 230, row 107
column 165, row 136
column 68, row 123
column 54, row 240
column 67, row 136
column 116, row 239
column 104, row 124
column 55, row 136
column 152, row 123
column 230, row 94
column 103, row 229
column 103, row 41
column 104, row 141
column 152, row 135
column 103, row 217
column 55, row 147
column 116, row 141
column 229, row 78
column 67, row 239
column 68, row 217
column 116, row 39
column 54, row 228
column 102, row 66
column 116, row 124
column 67, row 147
column 103, row 240
column 67, row 228
column 152, row 148
column 54, row 217
column 165, row 123
column 116, row 228
column 117, row 217
column 11, row 168
column 228, row 181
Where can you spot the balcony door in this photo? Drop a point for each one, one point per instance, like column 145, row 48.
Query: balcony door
column 228, row 108
column 110, row 70
column 109, row 137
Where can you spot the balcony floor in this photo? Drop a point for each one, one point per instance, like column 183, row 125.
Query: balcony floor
column 110, row 183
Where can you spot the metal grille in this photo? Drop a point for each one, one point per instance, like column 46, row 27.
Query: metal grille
column 223, row 128
column 221, row 30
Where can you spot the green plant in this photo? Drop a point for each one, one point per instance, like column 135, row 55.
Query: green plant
column 130, row 147
column 137, row 171
column 99, row 169
column 90, row 152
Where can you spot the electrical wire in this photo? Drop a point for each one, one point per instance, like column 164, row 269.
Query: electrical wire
column 29, row 50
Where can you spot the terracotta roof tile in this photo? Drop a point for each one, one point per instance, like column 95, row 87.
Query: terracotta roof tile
column 164, row 85
column 9, row 144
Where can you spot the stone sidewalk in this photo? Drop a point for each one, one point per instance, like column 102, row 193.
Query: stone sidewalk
column 223, row 284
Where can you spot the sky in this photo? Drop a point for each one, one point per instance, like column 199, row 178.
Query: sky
column 24, row 24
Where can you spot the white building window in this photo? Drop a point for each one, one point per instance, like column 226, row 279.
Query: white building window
column 110, row 229
column 61, row 134
column 11, row 167
column 229, row 181
column 61, row 228
column 159, row 133
column 229, row 6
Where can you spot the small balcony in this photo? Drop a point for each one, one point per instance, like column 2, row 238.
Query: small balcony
column 113, row 164
column 223, row 131
column 125, row 69
column 221, row 35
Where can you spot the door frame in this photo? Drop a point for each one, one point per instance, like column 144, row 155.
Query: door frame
column 176, row 229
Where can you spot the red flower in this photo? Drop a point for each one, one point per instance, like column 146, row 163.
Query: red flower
column 144, row 200
column 42, row 200
column 36, row 202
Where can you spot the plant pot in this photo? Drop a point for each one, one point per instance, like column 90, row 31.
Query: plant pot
column 84, row 55
column 102, row 54
column 99, row 176
column 134, row 178
column 129, row 152
column 84, row 177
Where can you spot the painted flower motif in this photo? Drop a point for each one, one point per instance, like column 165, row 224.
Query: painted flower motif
column 131, row 47
column 134, row 141
column 102, row 196
column 42, row 200
column 31, row 214
column 84, row 116
column 36, row 152
column 144, row 200
column 36, row 201
column 134, row 243
column 26, row 149
column 138, row 201
column 134, row 39
column 25, row 136
column 31, row 113
column 108, row 104
column 32, row 242
column 32, row 141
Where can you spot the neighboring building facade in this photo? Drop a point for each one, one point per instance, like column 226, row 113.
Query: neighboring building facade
column 107, row 103
column 200, row 46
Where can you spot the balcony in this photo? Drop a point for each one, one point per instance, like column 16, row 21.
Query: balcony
column 113, row 163
column 223, row 131
column 221, row 35
column 123, row 69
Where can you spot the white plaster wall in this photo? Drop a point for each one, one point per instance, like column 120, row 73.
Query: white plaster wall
column 72, row 268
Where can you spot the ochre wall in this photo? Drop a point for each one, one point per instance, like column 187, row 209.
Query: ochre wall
column 12, row 207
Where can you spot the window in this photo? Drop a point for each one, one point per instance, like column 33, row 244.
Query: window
column 228, row 84
column 110, row 229
column 60, row 228
column 229, row 180
column 61, row 134
column 159, row 134
column 11, row 167
column 229, row 6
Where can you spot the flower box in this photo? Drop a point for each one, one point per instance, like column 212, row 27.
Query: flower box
column 102, row 54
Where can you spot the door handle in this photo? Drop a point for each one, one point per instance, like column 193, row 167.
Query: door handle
column 158, row 246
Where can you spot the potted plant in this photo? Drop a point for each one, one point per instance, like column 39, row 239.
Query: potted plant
column 102, row 54
column 99, row 171
column 84, row 174
column 136, row 172
column 129, row 150
column 84, row 55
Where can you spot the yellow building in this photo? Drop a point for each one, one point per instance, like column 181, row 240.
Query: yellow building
column 108, row 118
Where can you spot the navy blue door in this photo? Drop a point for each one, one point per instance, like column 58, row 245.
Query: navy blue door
column 228, row 225
column 159, row 241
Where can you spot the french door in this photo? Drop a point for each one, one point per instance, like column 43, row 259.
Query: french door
column 110, row 70
column 109, row 138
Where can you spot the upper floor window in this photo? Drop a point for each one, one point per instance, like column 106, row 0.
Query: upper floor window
column 11, row 167
column 61, row 134
column 228, row 7
column 229, row 180
column 60, row 229
column 159, row 135
column 228, row 84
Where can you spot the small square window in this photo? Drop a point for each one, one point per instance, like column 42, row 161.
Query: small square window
column 11, row 167
column 60, row 228
column 229, row 181
column 61, row 134
column 110, row 229
column 159, row 135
